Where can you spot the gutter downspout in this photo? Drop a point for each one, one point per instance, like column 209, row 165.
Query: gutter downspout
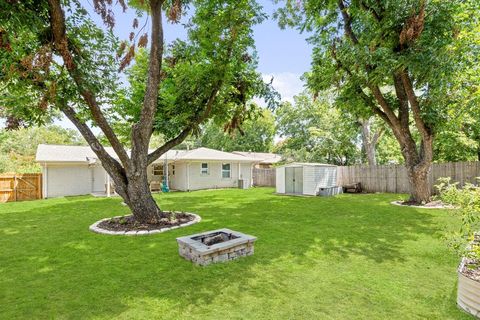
column 108, row 184
column 188, row 176
column 251, row 175
column 45, row 182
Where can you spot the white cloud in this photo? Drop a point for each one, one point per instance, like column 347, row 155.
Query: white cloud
column 288, row 84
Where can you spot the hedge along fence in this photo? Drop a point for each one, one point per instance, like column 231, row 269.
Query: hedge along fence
column 394, row 178
column 20, row 187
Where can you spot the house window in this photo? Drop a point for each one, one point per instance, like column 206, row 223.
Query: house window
column 204, row 169
column 157, row 170
column 226, row 170
column 173, row 169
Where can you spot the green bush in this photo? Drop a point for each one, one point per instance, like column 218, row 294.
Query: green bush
column 465, row 240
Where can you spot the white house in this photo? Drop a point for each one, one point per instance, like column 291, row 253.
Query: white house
column 76, row 170
column 307, row 179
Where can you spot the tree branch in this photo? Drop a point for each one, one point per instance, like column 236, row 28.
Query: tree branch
column 403, row 110
column 184, row 134
column 118, row 175
column 169, row 145
column 347, row 22
column 372, row 10
column 57, row 21
column 142, row 130
column 412, row 98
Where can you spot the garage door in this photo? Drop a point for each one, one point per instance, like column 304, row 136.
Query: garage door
column 68, row 181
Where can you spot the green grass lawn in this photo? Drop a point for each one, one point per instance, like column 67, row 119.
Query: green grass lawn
column 348, row 257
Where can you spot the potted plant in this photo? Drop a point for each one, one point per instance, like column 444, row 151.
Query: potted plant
column 466, row 241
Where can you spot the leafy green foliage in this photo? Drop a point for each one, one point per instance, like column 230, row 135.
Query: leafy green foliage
column 256, row 135
column 34, row 85
column 364, row 44
column 18, row 147
column 467, row 199
column 315, row 131
column 218, row 60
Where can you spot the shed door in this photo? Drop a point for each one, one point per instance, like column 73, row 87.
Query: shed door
column 298, row 180
column 294, row 180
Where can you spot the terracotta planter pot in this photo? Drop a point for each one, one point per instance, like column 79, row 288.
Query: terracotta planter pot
column 468, row 294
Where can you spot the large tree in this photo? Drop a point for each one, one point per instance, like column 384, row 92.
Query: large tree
column 53, row 56
column 398, row 59
column 256, row 134
column 312, row 130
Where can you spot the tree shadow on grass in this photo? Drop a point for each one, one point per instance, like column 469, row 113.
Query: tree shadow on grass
column 55, row 267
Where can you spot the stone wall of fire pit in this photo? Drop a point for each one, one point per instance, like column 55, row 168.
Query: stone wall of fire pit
column 215, row 246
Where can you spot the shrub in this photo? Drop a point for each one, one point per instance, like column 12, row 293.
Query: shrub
column 465, row 240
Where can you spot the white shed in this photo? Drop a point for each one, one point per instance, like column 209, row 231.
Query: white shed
column 307, row 179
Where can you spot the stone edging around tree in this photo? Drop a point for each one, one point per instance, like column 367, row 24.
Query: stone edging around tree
column 95, row 228
column 399, row 203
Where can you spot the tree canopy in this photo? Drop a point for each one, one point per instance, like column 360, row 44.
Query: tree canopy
column 18, row 147
column 256, row 134
column 54, row 57
column 315, row 131
column 400, row 60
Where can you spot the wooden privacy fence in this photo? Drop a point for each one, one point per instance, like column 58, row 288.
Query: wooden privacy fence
column 394, row 179
column 264, row 177
column 20, row 187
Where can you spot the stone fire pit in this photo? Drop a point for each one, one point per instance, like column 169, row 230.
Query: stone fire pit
column 215, row 246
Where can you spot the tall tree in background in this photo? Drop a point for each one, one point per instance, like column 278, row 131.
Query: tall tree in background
column 398, row 58
column 18, row 147
column 50, row 59
column 256, row 134
column 371, row 133
column 315, row 131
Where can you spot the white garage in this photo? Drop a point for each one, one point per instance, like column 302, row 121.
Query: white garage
column 307, row 179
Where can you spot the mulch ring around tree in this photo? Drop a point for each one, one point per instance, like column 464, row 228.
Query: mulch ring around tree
column 436, row 204
column 128, row 225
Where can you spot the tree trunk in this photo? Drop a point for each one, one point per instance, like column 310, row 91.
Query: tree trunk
column 370, row 142
column 420, row 188
column 141, row 203
column 419, row 164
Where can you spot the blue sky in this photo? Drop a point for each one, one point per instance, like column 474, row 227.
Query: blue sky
column 283, row 54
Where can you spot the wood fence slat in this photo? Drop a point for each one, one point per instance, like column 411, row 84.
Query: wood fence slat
column 20, row 187
column 264, row 177
column 394, row 178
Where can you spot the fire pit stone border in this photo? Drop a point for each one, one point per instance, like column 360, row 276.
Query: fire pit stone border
column 196, row 251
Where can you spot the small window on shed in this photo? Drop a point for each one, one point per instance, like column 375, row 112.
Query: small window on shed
column 173, row 169
column 204, row 169
column 157, row 170
column 226, row 170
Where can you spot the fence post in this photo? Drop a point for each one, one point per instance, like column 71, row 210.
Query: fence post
column 15, row 187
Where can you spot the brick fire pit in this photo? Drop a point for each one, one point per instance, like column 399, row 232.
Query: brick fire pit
column 215, row 246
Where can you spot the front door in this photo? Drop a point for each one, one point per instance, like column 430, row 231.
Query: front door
column 294, row 180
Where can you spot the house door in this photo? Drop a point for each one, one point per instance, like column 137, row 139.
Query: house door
column 294, row 180
column 98, row 179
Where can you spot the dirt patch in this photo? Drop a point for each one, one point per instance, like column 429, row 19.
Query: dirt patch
column 129, row 223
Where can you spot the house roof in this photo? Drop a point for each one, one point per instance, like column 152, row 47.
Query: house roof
column 308, row 164
column 62, row 153
column 212, row 154
column 262, row 157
